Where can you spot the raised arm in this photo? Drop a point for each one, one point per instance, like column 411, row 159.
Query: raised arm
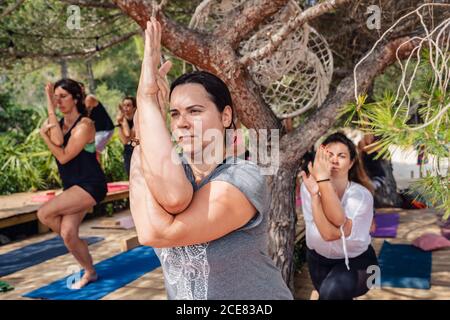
column 331, row 204
column 208, row 216
column 165, row 178
column 82, row 134
column 91, row 101
column 327, row 230
column 55, row 133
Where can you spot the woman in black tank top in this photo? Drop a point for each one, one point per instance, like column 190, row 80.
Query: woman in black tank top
column 126, row 129
column 71, row 141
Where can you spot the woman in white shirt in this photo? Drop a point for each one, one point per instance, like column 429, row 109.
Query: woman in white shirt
column 337, row 205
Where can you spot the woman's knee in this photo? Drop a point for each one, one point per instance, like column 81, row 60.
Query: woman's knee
column 338, row 286
column 70, row 236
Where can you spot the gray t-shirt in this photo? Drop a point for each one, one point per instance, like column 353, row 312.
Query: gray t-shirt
column 236, row 266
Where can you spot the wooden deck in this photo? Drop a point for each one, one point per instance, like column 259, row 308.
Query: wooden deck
column 19, row 208
column 151, row 285
column 413, row 223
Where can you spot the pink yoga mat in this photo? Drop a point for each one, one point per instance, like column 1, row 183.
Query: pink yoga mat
column 117, row 187
column 43, row 197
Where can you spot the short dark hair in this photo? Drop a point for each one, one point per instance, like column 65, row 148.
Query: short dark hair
column 75, row 90
column 216, row 88
column 132, row 99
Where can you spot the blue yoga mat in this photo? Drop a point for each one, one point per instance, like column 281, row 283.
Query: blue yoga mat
column 404, row 266
column 113, row 273
column 34, row 254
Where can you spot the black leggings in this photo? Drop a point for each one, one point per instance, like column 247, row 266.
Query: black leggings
column 127, row 153
column 333, row 281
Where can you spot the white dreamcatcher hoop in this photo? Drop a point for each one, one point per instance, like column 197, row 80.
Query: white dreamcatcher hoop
column 292, row 79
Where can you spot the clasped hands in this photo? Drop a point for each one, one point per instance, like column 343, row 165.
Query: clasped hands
column 320, row 170
column 152, row 83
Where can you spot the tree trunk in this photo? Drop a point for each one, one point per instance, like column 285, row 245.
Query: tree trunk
column 64, row 68
column 90, row 74
column 282, row 222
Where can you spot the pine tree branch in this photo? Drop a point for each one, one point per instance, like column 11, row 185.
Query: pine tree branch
column 91, row 4
column 237, row 27
column 11, row 8
column 181, row 41
column 288, row 28
column 12, row 53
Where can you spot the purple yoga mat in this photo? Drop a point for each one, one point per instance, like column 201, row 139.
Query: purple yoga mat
column 387, row 224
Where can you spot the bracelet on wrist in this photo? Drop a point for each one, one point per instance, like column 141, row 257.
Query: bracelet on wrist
column 134, row 142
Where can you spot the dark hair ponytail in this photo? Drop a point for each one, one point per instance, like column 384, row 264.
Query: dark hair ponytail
column 75, row 90
column 357, row 172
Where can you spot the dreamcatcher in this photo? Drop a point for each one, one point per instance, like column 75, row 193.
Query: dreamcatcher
column 292, row 79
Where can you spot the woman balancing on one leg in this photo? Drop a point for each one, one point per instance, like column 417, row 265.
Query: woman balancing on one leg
column 338, row 210
column 208, row 219
column 72, row 142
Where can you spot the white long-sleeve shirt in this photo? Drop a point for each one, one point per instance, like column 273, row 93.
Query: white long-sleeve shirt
column 357, row 203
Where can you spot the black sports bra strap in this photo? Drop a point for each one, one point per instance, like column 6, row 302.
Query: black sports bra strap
column 73, row 126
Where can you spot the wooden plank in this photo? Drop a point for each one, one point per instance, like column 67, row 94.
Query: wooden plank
column 130, row 243
column 19, row 219
column 16, row 216
column 110, row 223
column 42, row 228
column 123, row 223
column 4, row 214
column 120, row 195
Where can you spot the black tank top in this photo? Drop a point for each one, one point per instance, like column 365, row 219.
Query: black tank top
column 83, row 169
column 130, row 123
column 101, row 118
column 128, row 148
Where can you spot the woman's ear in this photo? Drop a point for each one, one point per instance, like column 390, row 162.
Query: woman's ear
column 227, row 116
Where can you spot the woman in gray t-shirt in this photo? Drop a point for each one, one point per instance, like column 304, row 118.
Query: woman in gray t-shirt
column 206, row 215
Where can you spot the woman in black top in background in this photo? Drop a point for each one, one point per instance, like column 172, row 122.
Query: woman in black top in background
column 104, row 126
column 126, row 129
column 72, row 143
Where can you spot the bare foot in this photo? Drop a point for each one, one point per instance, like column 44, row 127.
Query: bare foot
column 87, row 278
